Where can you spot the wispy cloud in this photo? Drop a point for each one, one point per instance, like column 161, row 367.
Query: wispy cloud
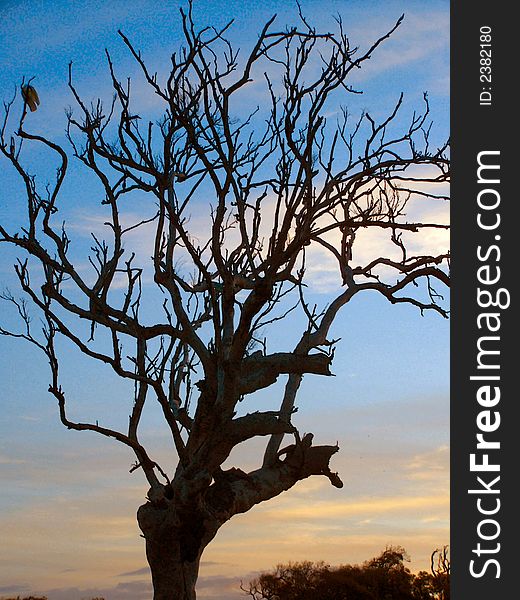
column 321, row 267
column 423, row 35
column 430, row 467
column 14, row 589
column 217, row 587
column 135, row 590
column 8, row 460
column 142, row 571
column 365, row 506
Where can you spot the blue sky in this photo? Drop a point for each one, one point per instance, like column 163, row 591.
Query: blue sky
column 67, row 501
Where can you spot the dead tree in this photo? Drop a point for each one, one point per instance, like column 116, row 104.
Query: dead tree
column 277, row 183
column 440, row 567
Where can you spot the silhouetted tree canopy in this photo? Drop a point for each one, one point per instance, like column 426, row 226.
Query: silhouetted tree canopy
column 384, row 577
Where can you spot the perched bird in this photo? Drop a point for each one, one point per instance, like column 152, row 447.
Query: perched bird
column 179, row 176
column 30, row 95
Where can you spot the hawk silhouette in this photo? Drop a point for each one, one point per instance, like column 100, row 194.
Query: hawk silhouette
column 30, row 95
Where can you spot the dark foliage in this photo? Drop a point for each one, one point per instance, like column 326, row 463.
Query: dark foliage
column 384, row 577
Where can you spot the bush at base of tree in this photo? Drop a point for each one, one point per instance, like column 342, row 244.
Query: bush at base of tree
column 384, row 577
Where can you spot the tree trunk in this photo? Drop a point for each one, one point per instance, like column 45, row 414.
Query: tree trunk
column 174, row 545
column 172, row 578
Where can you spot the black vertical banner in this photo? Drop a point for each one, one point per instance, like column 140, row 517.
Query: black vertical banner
column 485, row 435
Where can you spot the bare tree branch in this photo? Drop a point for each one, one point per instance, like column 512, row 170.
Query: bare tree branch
column 286, row 178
